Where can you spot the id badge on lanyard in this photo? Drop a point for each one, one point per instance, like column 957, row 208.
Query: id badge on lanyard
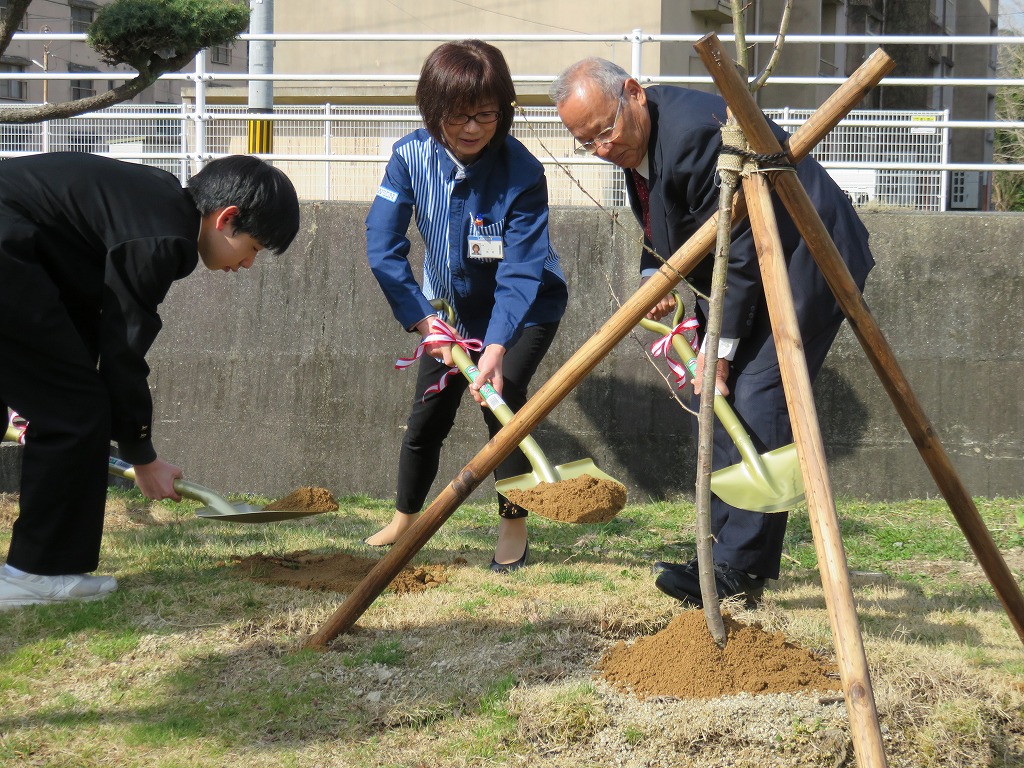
column 482, row 246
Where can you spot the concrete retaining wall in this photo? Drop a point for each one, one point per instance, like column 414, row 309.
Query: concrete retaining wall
column 283, row 376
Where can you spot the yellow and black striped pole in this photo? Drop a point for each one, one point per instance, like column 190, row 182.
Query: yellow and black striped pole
column 261, row 136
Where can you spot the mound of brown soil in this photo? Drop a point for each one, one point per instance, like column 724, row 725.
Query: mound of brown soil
column 683, row 661
column 336, row 573
column 582, row 499
column 307, row 499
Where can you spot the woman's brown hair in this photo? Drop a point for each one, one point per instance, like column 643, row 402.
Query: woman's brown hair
column 462, row 73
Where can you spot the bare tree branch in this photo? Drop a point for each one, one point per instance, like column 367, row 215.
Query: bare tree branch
column 123, row 92
column 780, row 39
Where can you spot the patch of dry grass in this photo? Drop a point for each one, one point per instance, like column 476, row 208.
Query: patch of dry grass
column 189, row 664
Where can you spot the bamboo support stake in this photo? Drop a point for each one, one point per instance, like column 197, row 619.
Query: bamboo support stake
column 828, row 542
column 584, row 360
column 865, row 327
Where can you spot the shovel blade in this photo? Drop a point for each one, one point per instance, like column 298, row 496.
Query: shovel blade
column 219, row 508
column 777, row 488
column 247, row 513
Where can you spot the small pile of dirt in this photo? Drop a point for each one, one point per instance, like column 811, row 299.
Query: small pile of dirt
column 307, row 499
column 683, row 661
column 332, row 573
column 583, row 499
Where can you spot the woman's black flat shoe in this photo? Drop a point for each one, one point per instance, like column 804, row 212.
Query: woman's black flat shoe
column 513, row 566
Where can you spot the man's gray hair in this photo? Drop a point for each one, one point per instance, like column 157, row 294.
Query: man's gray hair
column 606, row 75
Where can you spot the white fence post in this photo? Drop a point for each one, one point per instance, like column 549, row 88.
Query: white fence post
column 200, row 112
column 636, row 36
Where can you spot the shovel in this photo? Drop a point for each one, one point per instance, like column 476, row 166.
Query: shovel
column 217, row 507
column 767, row 482
column 543, row 472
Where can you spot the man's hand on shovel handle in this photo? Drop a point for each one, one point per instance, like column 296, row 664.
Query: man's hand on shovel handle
column 721, row 375
column 666, row 306
column 156, row 480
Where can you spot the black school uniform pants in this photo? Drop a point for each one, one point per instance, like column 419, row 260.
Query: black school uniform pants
column 432, row 419
column 48, row 374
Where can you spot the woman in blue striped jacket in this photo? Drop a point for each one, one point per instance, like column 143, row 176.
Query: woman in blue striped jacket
column 481, row 205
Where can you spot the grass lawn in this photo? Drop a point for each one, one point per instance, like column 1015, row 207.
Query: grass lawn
column 193, row 663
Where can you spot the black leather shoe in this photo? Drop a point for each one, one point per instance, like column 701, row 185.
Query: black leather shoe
column 684, row 584
column 663, row 565
column 513, row 566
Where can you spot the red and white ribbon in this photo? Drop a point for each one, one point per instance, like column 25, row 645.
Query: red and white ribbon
column 19, row 425
column 663, row 346
column 439, row 333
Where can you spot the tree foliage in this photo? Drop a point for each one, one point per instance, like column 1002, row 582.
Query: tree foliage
column 155, row 34
column 1008, row 186
column 152, row 36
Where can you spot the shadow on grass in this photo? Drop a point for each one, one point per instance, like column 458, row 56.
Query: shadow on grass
column 265, row 693
column 891, row 608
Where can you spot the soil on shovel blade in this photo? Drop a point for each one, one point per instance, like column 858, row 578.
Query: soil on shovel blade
column 306, row 499
column 583, row 499
column 683, row 661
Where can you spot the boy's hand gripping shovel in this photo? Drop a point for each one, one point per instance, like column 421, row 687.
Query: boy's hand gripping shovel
column 768, row 482
column 543, row 472
column 217, row 507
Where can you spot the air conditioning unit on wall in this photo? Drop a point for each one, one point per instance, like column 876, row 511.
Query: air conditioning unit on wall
column 859, row 185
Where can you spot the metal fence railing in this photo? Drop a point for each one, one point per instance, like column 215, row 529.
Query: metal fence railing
column 337, row 152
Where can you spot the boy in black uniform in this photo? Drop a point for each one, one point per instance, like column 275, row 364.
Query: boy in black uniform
column 89, row 247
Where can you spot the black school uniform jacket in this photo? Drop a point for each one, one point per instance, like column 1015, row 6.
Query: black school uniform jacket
column 112, row 237
column 682, row 155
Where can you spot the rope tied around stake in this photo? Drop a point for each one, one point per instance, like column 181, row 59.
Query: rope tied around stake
column 735, row 159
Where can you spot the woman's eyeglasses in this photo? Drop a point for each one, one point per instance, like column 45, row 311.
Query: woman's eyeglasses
column 483, row 118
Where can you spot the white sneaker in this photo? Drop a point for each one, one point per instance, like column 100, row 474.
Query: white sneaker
column 31, row 589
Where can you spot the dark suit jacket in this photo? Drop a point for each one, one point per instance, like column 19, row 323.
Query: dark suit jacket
column 682, row 155
column 110, row 237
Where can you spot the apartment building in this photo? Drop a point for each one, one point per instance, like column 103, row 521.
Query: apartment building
column 969, row 190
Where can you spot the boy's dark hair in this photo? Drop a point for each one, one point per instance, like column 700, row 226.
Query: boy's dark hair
column 268, row 208
column 462, row 73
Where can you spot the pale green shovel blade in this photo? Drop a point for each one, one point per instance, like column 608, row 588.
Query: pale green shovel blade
column 777, row 488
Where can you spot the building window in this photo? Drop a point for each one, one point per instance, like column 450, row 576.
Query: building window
column 13, row 89
column 220, row 54
column 81, row 89
column 81, row 18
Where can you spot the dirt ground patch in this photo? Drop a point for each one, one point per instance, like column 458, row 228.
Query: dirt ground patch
column 683, row 661
column 339, row 572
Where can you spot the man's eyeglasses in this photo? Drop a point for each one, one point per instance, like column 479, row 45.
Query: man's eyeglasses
column 483, row 118
column 607, row 136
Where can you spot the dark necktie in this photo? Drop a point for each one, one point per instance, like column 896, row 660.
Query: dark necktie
column 643, row 193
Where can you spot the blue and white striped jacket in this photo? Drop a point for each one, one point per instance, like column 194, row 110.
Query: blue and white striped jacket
column 506, row 189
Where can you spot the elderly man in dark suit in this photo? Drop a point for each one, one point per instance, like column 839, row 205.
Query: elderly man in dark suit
column 667, row 140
